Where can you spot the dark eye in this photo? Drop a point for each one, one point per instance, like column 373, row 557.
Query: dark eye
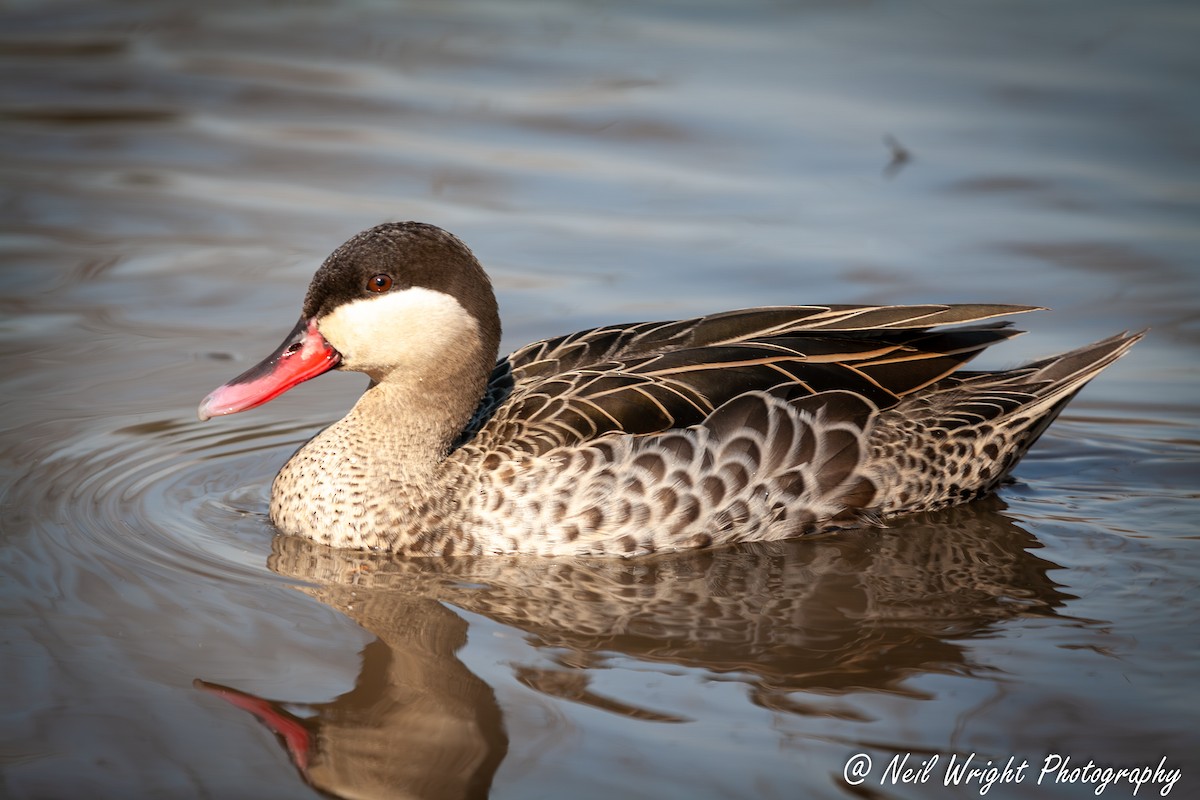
column 379, row 283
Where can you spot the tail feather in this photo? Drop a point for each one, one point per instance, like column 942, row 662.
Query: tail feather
column 1047, row 379
column 1082, row 364
column 962, row 438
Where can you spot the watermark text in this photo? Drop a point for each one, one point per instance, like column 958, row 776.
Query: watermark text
column 983, row 774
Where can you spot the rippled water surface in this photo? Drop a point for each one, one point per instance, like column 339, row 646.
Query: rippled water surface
column 172, row 173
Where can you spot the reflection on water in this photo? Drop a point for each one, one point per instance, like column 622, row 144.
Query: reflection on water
column 865, row 611
column 417, row 722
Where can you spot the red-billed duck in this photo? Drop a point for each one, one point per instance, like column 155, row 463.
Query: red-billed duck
column 758, row 424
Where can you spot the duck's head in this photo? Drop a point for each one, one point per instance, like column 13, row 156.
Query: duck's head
column 400, row 302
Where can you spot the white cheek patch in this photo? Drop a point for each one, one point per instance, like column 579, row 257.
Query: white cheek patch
column 407, row 329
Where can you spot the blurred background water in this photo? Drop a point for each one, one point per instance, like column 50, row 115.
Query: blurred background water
column 172, row 173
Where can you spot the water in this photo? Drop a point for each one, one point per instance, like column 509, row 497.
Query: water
column 173, row 175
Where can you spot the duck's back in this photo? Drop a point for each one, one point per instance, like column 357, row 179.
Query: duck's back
column 753, row 425
column 652, row 377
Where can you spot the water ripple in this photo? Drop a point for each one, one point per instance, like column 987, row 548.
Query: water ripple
column 163, row 496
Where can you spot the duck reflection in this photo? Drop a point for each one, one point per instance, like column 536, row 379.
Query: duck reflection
column 417, row 723
column 860, row 611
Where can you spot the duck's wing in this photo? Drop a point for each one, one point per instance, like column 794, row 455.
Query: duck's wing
column 596, row 346
column 651, row 377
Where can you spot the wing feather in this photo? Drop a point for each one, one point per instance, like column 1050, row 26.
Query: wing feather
column 651, row 377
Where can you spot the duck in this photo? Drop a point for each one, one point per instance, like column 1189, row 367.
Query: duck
column 757, row 424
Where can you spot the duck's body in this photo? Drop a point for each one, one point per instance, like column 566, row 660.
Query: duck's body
column 749, row 425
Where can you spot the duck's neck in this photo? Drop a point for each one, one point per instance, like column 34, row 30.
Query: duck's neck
column 404, row 430
column 377, row 477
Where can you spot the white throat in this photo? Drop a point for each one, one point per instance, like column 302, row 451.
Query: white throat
column 419, row 331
